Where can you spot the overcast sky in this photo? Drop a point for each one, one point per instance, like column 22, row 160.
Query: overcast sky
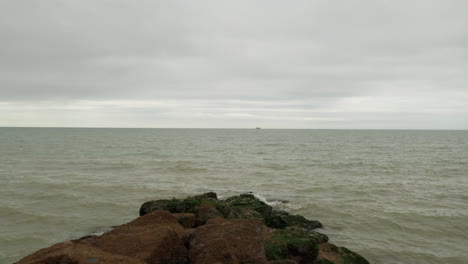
column 274, row 64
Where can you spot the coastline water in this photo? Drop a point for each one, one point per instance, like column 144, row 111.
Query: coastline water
column 393, row 196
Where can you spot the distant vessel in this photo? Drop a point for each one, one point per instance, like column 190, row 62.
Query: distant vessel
column 258, row 128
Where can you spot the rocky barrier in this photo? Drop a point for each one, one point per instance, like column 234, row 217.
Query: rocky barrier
column 204, row 230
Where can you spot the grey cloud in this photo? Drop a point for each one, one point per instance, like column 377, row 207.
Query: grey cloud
column 308, row 58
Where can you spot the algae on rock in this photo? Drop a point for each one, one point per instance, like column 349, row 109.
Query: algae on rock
column 288, row 238
column 202, row 229
column 289, row 243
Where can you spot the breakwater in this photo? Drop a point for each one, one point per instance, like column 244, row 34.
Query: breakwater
column 202, row 229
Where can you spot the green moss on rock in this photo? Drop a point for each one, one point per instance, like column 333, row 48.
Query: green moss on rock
column 350, row 257
column 249, row 201
column 221, row 206
column 282, row 220
column 205, row 196
column 291, row 240
column 173, row 205
column 325, row 261
column 283, row 261
column 339, row 255
column 294, row 242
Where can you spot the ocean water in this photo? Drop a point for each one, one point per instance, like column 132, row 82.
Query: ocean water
column 392, row 196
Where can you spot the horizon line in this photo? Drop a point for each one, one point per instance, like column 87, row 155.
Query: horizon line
column 244, row 128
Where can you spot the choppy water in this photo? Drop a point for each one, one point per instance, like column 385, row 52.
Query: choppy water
column 393, row 196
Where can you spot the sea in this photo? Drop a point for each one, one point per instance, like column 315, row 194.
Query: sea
column 394, row 196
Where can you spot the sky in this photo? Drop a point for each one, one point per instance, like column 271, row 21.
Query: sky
column 380, row 64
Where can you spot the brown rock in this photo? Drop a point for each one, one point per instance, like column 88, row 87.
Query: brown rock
column 205, row 196
column 186, row 220
column 206, row 212
column 329, row 252
column 156, row 237
column 298, row 244
column 72, row 253
column 215, row 251
column 228, row 241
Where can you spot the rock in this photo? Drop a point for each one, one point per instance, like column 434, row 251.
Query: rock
column 228, row 241
column 281, row 219
column 249, row 201
column 156, row 205
column 247, row 206
column 172, row 205
column 244, row 213
column 72, row 253
column 205, row 196
column 156, row 237
column 279, row 212
column 217, row 251
column 331, row 254
column 244, row 206
column 188, row 205
column 186, row 220
column 284, row 261
column 299, row 244
column 207, row 211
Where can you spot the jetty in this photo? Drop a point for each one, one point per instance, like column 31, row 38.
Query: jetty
column 203, row 229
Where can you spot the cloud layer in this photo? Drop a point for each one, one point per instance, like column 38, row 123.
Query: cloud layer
column 299, row 64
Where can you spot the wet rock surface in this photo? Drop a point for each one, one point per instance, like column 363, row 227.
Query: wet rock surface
column 295, row 243
column 228, row 241
column 72, row 253
column 156, row 237
column 203, row 229
column 330, row 253
column 186, row 220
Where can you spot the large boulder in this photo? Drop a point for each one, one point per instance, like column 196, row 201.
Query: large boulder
column 331, row 254
column 205, row 196
column 156, row 237
column 72, row 253
column 228, row 241
column 297, row 244
column 186, row 220
column 281, row 219
column 249, row 203
column 190, row 204
column 207, row 211
column 283, row 261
